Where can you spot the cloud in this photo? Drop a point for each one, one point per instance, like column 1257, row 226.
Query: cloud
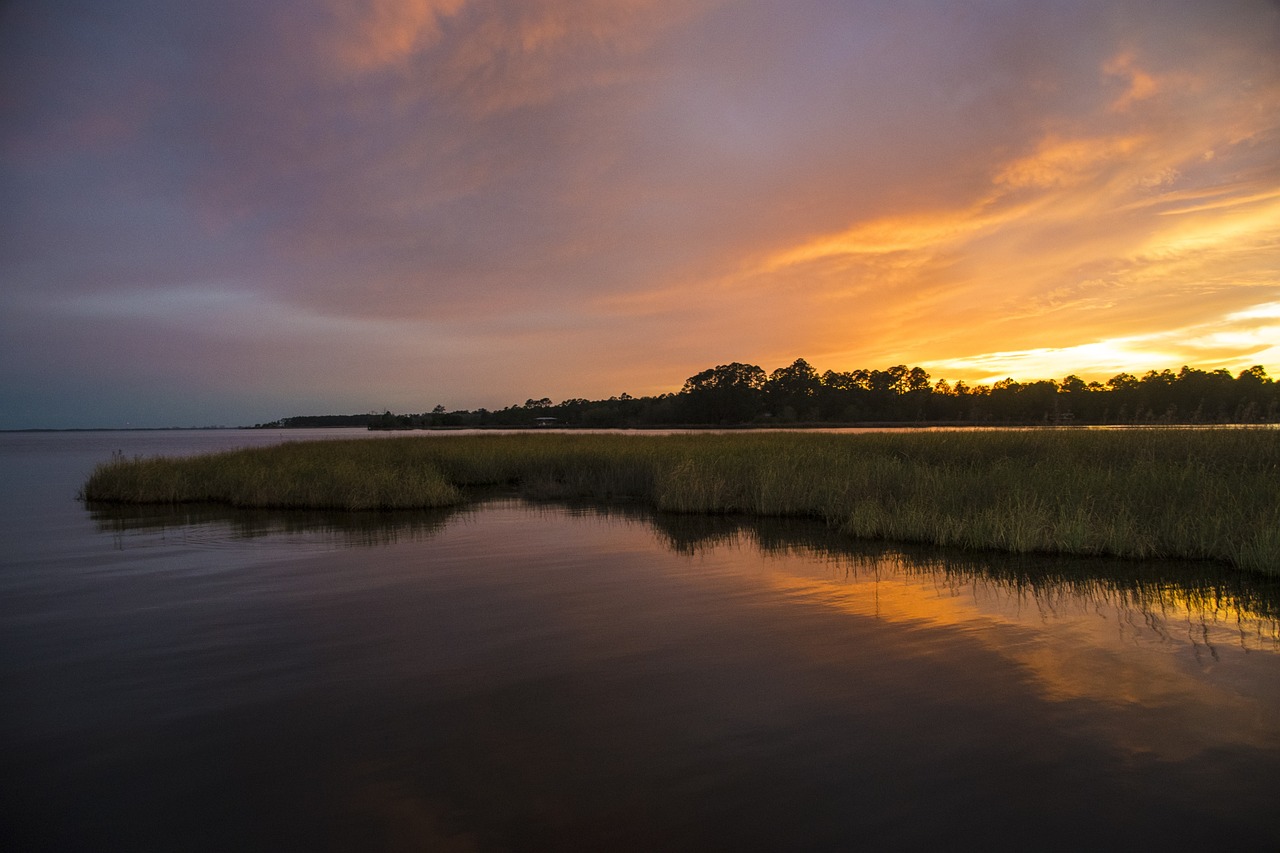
column 1130, row 228
column 371, row 34
column 516, row 56
column 609, row 194
column 1063, row 163
column 1250, row 335
column 1139, row 84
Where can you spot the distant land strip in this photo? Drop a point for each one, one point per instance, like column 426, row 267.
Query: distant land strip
column 743, row 394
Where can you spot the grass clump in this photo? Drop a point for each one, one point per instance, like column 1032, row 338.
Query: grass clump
column 1184, row 493
column 352, row 475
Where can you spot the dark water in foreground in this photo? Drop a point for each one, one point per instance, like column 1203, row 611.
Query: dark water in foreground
column 519, row 676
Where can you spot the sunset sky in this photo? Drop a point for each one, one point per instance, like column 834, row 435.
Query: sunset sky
column 229, row 212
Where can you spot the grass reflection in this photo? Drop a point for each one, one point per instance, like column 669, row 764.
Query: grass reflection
column 1156, row 592
column 337, row 527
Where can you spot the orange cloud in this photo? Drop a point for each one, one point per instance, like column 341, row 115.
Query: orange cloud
column 927, row 232
column 376, row 33
column 1222, row 340
column 1056, row 168
column 1140, row 85
column 1084, row 235
column 1062, row 163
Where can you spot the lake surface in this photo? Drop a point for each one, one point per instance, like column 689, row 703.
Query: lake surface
column 518, row 676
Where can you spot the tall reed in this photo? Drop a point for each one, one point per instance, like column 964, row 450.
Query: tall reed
column 1212, row 494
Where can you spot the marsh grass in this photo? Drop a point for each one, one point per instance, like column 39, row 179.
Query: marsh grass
column 358, row 475
column 1198, row 494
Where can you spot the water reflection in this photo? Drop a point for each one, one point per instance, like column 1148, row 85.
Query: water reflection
column 1204, row 603
column 1167, row 646
column 1127, row 634
column 213, row 524
column 542, row 676
column 1161, row 640
column 1142, row 635
column 1197, row 603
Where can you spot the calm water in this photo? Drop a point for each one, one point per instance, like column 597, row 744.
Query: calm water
column 518, row 676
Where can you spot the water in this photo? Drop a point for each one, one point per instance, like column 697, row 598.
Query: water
column 516, row 676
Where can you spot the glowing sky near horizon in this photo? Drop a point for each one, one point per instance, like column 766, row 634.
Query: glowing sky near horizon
column 237, row 211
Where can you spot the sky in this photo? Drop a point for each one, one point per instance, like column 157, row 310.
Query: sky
column 231, row 212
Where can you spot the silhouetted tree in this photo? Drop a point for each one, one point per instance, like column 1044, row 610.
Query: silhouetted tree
column 792, row 392
column 726, row 393
column 737, row 393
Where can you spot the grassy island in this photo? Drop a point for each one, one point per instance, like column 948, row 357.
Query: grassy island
column 1184, row 493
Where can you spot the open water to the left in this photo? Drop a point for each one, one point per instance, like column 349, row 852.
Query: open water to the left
column 516, row 676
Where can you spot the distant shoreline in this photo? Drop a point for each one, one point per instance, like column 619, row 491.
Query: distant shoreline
column 744, row 427
column 123, row 429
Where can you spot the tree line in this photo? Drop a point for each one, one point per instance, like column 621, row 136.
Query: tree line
column 744, row 394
